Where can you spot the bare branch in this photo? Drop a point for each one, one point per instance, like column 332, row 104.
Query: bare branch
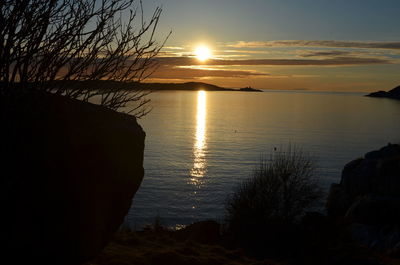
column 48, row 44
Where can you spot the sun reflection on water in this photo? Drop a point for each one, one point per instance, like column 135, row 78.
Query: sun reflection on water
column 199, row 148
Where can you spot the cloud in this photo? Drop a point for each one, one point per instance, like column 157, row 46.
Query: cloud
column 173, row 48
column 173, row 72
column 185, row 68
column 323, row 53
column 316, row 43
column 342, row 60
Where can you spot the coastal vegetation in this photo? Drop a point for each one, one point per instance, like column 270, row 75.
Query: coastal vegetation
column 284, row 236
column 264, row 208
column 63, row 158
column 168, row 247
column 47, row 44
column 70, row 169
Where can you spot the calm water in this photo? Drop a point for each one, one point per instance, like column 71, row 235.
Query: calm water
column 199, row 145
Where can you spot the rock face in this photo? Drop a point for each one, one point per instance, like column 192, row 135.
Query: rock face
column 69, row 172
column 368, row 197
column 394, row 93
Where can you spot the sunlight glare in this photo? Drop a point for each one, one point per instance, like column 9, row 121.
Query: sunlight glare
column 199, row 163
column 201, row 119
column 202, row 53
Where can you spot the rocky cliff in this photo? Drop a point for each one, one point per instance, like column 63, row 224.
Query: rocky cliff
column 368, row 198
column 69, row 172
column 394, row 93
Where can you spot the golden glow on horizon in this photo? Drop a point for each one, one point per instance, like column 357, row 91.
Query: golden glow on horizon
column 202, row 53
column 199, row 163
column 289, row 65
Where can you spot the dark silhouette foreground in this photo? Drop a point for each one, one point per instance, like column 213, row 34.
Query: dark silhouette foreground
column 69, row 171
column 264, row 211
column 45, row 42
column 394, row 94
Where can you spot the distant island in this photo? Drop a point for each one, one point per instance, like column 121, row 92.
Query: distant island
column 250, row 89
column 185, row 86
column 191, row 86
column 394, row 94
column 188, row 86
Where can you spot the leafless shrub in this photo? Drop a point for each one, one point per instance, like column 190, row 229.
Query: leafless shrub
column 48, row 44
column 279, row 191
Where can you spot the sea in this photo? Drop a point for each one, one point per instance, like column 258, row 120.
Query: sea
column 201, row 144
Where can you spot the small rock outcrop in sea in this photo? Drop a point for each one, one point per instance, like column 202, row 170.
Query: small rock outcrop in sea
column 250, row 89
column 394, row 93
column 69, row 172
column 368, row 197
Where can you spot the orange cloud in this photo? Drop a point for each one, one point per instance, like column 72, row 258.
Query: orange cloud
column 168, row 72
column 187, row 61
column 316, row 43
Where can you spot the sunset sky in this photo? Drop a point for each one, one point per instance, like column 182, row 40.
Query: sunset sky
column 335, row 45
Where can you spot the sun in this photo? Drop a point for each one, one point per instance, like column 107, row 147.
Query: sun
column 202, row 53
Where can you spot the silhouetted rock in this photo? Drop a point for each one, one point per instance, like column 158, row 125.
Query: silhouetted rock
column 368, row 197
column 395, row 251
column 378, row 94
column 375, row 210
column 378, row 173
column 394, row 93
column 69, row 172
column 382, row 238
column 338, row 201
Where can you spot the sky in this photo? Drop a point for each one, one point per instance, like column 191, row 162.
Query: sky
column 335, row 45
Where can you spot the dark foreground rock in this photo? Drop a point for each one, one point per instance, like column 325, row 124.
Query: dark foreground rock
column 69, row 172
column 368, row 198
column 394, row 93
